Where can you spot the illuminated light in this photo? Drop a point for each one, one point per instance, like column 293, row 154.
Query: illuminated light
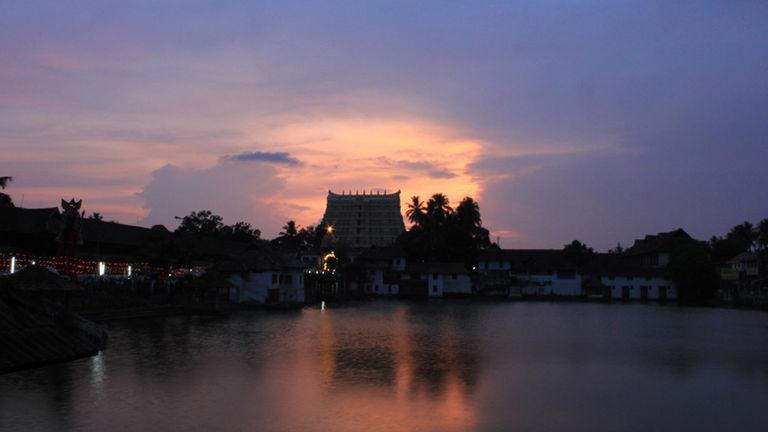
column 130, row 270
column 13, row 265
column 326, row 260
column 102, row 268
column 33, row 263
column 322, row 305
column 329, row 229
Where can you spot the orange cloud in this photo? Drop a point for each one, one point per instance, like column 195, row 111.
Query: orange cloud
column 361, row 154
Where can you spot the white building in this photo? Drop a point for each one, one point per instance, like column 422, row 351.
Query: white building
column 548, row 272
column 746, row 264
column 558, row 283
column 268, row 287
column 633, row 286
column 383, row 270
column 441, row 279
column 532, row 272
column 268, row 280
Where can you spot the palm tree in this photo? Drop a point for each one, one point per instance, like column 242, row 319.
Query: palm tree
column 415, row 212
column 468, row 213
column 438, row 207
column 5, row 199
column 289, row 229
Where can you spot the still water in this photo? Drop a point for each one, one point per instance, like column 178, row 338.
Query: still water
column 399, row 366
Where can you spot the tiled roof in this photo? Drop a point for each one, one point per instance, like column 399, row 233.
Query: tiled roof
column 37, row 278
column 25, row 221
column 438, row 267
column 530, row 259
column 661, row 242
column 604, row 264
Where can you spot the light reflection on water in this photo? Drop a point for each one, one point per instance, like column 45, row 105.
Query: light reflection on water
column 398, row 366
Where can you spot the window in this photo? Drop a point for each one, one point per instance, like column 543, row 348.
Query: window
column 389, row 289
column 274, row 278
column 357, row 240
column 358, row 221
column 358, row 231
column 434, row 288
column 376, row 288
column 288, row 278
column 630, row 277
column 453, row 276
column 648, row 278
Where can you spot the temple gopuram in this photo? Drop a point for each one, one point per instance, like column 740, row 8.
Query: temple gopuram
column 364, row 220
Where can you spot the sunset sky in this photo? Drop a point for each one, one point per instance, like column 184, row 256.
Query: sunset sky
column 601, row 121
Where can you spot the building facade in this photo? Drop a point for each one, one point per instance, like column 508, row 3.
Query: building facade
column 364, row 220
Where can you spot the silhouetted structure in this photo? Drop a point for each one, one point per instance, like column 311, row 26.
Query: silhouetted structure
column 364, row 220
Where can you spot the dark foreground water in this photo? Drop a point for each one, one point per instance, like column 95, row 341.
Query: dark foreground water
column 391, row 366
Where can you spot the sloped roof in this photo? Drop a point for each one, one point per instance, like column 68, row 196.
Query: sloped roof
column 530, row 259
column 604, row 264
column 661, row 242
column 26, row 221
column 258, row 259
column 31, row 335
column 438, row 267
column 38, row 278
column 117, row 233
column 742, row 257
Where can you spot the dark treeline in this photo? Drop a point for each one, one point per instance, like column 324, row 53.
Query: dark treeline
column 292, row 237
column 441, row 233
column 205, row 223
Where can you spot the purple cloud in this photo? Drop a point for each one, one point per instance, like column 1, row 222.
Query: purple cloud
column 271, row 157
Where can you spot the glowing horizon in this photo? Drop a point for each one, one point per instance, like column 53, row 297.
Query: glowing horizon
column 148, row 111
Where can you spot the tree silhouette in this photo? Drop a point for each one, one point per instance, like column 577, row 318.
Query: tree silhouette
column 440, row 233
column 289, row 229
column 5, row 199
column 744, row 236
column 415, row 211
column 578, row 253
column 468, row 214
column 203, row 222
column 438, row 208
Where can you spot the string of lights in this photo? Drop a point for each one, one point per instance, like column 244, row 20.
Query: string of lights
column 13, row 262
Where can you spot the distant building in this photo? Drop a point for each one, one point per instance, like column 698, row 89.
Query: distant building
column 531, row 272
column 624, row 280
column 655, row 250
column 549, row 272
column 383, row 269
column 364, row 220
column 436, row 280
column 260, row 278
column 745, row 264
